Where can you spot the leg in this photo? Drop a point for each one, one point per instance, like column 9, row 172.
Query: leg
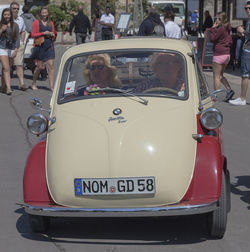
column 244, row 86
column 223, row 79
column 18, row 62
column 83, row 35
column 50, row 63
column 78, row 38
column 19, row 72
column 37, row 71
column 5, row 73
column 217, row 69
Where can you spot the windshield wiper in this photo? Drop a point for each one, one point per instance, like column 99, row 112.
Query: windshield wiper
column 127, row 92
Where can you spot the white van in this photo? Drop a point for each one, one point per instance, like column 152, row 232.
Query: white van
column 177, row 6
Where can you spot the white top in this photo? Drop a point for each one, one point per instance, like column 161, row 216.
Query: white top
column 19, row 20
column 172, row 30
column 109, row 19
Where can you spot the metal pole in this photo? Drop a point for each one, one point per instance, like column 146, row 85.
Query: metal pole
column 141, row 11
column 127, row 6
column 135, row 17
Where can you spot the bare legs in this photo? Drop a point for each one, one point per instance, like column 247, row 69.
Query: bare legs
column 5, row 73
column 218, row 73
column 40, row 65
column 244, row 86
column 19, row 72
column 50, row 63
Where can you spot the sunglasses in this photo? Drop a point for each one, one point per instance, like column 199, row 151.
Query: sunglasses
column 15, row 8
column 94, row 67
column 247, row 8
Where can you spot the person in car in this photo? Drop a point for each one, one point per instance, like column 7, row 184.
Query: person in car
column 100, row 73
column 169, row 72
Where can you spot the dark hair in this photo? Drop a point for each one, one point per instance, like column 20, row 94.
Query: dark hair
column 39, row 16
column 12, row 24
column 14, row 3
column 26, row 8
column 169, row 14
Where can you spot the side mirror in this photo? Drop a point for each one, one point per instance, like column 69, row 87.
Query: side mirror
column 218, row 95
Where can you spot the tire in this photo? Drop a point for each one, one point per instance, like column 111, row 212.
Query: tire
column 217, row 220
column 38, row 223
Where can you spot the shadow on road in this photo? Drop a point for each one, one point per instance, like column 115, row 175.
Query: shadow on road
column 120, row 231
column 242, row 188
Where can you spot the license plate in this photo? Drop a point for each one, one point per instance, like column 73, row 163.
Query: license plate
column 116, row 186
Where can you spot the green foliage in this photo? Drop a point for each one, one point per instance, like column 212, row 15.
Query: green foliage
column 61, row 14
column 102, row 4
column 57, row 15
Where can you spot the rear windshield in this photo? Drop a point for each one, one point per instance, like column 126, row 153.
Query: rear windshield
column 158, row 73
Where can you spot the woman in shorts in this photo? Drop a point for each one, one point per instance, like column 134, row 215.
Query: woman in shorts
column 220, row 36
column 9, row 43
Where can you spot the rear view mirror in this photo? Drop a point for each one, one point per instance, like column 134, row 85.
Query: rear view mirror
column 218, row 95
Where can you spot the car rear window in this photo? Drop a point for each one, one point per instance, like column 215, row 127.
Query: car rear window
column 157, row 73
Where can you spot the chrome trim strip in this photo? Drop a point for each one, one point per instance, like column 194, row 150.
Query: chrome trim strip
column 120, row 212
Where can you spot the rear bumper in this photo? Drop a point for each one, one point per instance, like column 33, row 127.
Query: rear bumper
column 172, row 210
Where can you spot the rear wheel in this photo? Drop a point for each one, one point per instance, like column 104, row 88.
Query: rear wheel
column 217, row 220
column 39, row 224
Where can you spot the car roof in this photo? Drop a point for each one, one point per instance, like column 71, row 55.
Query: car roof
column 180, row 45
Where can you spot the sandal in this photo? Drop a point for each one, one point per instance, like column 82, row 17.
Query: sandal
column 23, row 87
column 9, row 92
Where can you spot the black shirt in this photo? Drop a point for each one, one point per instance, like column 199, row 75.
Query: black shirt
column 81, row 23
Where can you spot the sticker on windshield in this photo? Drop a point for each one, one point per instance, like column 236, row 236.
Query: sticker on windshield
column 70, row 87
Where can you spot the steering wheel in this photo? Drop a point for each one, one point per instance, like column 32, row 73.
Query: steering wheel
column 161, row 89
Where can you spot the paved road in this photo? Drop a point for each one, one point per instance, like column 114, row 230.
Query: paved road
column 159, row 234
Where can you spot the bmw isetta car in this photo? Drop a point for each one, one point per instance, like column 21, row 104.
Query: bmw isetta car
column 131, row 131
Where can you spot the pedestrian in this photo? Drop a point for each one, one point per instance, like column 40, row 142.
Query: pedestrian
column 107, row 21
column 28, row 18
column 18, row 60
column 44, row 34
column 221, row 38
column 152, row 25
column 9, row 44
column 81, row 24
column 172, row 30
column 194, row 22
column 245, row 59
column 208, row 23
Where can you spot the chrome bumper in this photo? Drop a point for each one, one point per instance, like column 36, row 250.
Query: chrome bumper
column 173, row 210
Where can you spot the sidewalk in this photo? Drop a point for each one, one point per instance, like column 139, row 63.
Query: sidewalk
column 65, row 38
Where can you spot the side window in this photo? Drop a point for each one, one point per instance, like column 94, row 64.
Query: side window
column 203, row 87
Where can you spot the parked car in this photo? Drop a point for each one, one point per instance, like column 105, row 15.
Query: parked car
column 132, row 131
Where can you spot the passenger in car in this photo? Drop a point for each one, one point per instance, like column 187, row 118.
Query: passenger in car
column 169, row 75
column 100, row 73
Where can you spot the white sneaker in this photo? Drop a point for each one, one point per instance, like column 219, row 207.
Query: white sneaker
column 238, row 101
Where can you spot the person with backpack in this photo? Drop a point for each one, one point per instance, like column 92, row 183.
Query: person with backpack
column 152, row 25
column 28, row 18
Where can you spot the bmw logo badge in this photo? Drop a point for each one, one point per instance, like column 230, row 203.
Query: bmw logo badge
column 117, row 111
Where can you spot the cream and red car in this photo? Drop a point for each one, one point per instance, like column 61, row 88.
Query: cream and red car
column 137, row 149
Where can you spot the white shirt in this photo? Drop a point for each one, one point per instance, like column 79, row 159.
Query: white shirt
column 109, row 19
column 19, row 20
column 172, row 30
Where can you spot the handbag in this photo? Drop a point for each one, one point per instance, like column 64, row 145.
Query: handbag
column 39, row 41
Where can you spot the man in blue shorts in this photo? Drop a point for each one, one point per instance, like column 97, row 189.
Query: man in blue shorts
column 245, row 59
